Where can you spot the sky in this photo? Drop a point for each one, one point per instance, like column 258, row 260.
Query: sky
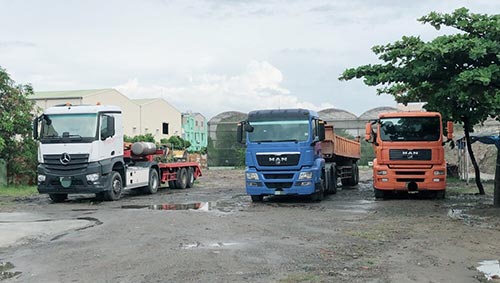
column 213, row 56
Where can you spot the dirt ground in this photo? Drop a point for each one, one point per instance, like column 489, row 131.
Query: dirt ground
column 216, row 234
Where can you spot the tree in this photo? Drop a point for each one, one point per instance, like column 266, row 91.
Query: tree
column 16, row 144
column 457, row 75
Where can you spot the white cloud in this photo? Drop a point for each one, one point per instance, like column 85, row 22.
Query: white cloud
column 258, row 87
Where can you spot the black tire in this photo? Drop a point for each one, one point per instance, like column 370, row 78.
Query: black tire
column 116, row 187
column 190, row 177
column 257, row 198
column 440, row 194
column 182, row 179
column 154, row 182
column 334, row 180
column 57, row 198
column 379, row 193
column 318, row 196
column 355, row 174
column 171, row 184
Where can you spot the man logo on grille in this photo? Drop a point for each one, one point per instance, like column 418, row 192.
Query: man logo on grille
column 277, row 160
column 65, row 158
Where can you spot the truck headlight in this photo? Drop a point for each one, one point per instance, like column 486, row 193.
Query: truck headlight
column 381, row 172
column 305, row 175
column 438, row 172
column 92, row 177
column 252, row 176
column 41, row 178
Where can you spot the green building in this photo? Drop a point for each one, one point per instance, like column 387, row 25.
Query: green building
column 195, row 130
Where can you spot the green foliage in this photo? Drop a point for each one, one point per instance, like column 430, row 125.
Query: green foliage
column 18, row 191
column 140, row 138
column 457, row 75
column 176, row 142
column 16, row 144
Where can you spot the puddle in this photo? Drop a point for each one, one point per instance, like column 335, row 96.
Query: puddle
column 361, row 206
column 201, row 206
column 490, row 268
column 5, row 272
column 196, row 245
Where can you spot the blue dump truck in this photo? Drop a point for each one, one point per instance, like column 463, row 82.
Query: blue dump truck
column 293, row 152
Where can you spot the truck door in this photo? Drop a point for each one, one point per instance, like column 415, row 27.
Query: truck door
column 110, row 143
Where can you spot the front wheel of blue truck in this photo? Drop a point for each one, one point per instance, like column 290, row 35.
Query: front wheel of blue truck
column 257, row 198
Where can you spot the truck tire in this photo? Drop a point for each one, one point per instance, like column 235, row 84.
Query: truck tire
column 182, row 179
column 257, row 198
column 354, row 179
column 440, row 194
column 333, row 180
column 154, row 182
column 190, row 177
column 171, row 184
column 116, row 187
column 380, row 194
column 56, row 198
column 318, row 196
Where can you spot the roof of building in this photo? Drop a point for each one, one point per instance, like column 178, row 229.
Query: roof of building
column 67, row 93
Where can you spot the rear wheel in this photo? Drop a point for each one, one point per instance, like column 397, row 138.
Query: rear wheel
column 182, row 178
column 154, row 182
column 171, row 184
column 334, row 180
column 58, row 197
column 116, row 189
column 257, row 198
column 190, row 177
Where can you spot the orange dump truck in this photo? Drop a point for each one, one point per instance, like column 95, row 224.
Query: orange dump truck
column 409, row 153
column 341, row 159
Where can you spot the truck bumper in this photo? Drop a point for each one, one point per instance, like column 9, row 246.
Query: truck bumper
column 72, row 181
column 408, row 179
column 285, row 186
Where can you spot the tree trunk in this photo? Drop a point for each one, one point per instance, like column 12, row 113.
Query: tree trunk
column 473, row 159
column 496, row 192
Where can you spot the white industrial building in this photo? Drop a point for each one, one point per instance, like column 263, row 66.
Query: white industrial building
column 140, row 116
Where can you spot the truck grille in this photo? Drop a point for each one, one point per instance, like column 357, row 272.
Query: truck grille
column 410, row 154
column 278, row 159
column 76, row 162
column 278, row 176
column 280, row 185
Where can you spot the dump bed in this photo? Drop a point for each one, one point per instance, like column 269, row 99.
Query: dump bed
column 335, row 146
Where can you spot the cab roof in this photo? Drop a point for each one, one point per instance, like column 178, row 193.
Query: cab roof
column 66, row 109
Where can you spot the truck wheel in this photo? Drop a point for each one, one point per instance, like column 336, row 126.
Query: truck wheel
column 318, row 196
column 355, row 174
column 116, row 188
column 182, row 178
column 190, row 177
column 154, row 182
column 171, row 184
column 333, row 179
column 58, row 197
column 257, row 198
column 379, row 193
column 440, row 194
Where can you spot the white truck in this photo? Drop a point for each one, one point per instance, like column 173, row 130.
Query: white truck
column 81, row 151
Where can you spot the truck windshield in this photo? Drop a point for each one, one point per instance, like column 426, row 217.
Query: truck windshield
column 69, row 128
column 410, row 129
column 276, row 131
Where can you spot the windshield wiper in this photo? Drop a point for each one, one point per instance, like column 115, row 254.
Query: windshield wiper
column 290, row 140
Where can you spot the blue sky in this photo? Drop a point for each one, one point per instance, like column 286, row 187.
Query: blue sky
column 212, row 56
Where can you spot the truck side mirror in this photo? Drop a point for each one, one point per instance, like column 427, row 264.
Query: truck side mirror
column 449, row 129
column 239, row 132
column 368, row 132
column 109, row 131
column 35, row 128
column 321, row 130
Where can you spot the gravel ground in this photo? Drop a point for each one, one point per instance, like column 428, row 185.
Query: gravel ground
column 216, row 234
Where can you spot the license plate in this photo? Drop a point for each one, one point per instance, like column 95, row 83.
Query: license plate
column 278, row 193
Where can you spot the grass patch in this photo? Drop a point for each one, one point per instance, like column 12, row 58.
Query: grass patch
column 18, row 191
column 302, row 277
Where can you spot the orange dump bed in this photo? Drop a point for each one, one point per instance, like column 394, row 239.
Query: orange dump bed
column 335, row 146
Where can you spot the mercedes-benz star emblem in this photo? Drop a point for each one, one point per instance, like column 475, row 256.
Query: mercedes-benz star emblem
column 65, row 158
